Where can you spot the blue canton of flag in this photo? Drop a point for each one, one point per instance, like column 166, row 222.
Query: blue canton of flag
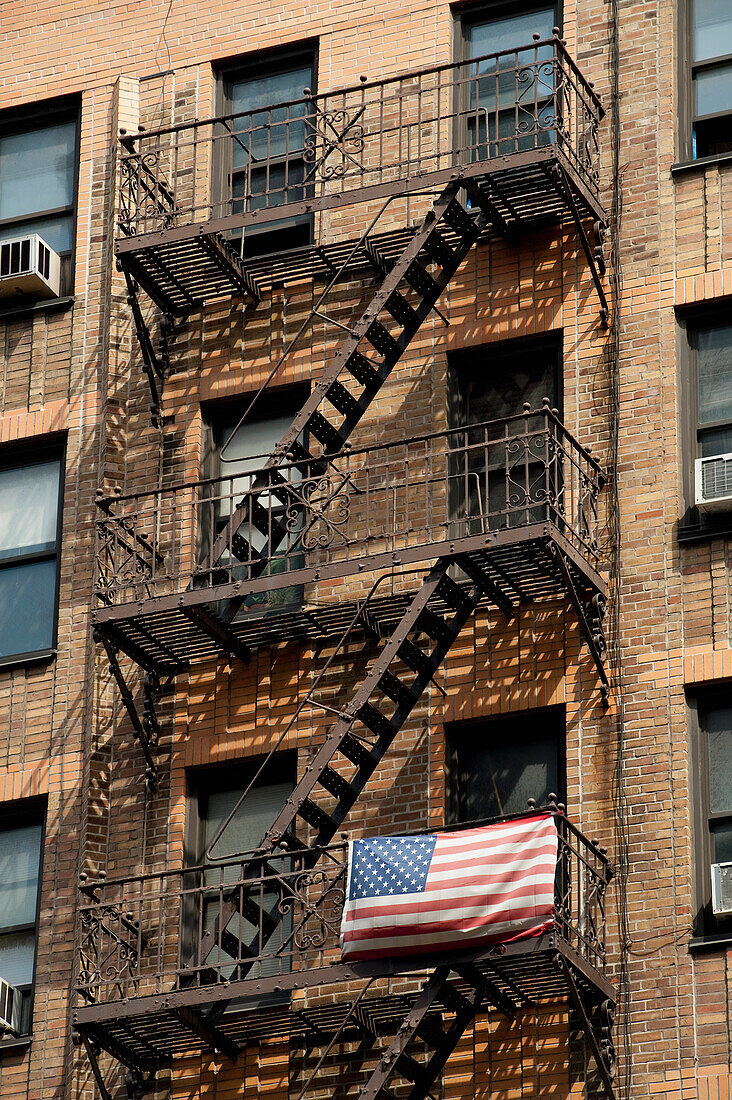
column 388, row 866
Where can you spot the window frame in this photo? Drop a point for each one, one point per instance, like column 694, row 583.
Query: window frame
column 706, row 927
column 688, row 69
column 248, row 67
column 209, row 779
column 31, row 453
column 272, row 399
column 475, row 729
column 39, row 116
column 469, row 14
column 28, row 812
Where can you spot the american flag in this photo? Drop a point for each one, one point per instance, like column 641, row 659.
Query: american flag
column 409, row 894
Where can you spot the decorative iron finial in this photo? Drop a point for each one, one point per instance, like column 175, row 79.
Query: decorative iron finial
column 527, row 406
column 363, row 79
column 553, row 802
column 556, row 32
column 532, row 803
column 536, row 36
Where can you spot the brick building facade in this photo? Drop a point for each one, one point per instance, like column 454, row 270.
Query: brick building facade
column 175, row 632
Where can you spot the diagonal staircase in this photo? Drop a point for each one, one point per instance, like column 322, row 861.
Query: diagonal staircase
column 353, row 749
column 409, row 290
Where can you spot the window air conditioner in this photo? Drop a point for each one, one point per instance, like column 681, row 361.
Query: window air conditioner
column 713, row 483
column 29, row 266
column 722, row 889
column 11, row 1002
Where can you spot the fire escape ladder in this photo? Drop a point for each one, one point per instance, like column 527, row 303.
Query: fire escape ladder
column 422, row 1031
column 155, row 360
column 407, row 294
column 597, row 1023
column 345, row 762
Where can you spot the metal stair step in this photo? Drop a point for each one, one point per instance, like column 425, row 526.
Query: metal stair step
column 357, row 752
column 331, row 437
column 377, row 722
column 364, row 371
column 402, row 312
column 439, row 250
column 316, row 816
column 420, row 280
column 459, row 220
column 415, row 658
column 335, row 783
column 344, row 401
column 403, row 695
column 434, row 626
column 382, row 340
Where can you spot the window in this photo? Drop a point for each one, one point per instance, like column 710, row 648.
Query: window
column 711, row 349
column 506, row 111
column 713, row 802
column 711, row 77
column 489, row 478
column 21, row 836
column 495, row 766
column 38, row 177
column 233, row 458
column 30, row 514
column 215, row 793
column 263, row 164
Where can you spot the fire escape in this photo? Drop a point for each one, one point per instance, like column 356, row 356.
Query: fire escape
column 499, row 515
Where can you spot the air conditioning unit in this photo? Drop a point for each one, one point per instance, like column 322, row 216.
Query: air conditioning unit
column 29, row 267
column 722, row 889
column 11, row 1005
column 713, row 483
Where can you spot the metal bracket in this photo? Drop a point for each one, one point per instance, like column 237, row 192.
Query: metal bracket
column 136, row 1082
column 590, row 614
column 156, row 363
column 145, row 726
column 603, row 1048
column 594, row 257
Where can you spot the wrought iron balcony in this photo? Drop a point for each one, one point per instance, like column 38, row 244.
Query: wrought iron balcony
column 149, row 970
column 515, row 499
column 523, row 121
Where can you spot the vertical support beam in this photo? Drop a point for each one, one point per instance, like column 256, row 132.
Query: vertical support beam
column 146, row 729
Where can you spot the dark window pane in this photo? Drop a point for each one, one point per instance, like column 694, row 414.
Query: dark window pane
column 57, row 232
column 718, row 723
column 20, row 854
column 722, row 842
column 27, row 603
column 715, row 441
column 501, row 765
column 29, row 508
column 273, row 132
column 37, row 170
column 249, row 825
column 712, row 28
column 501, row 388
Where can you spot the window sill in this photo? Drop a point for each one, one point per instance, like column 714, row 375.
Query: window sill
column 17, row 311
column 711, row 942
column 11, row 1046
column 685, row 166
column 17, row 659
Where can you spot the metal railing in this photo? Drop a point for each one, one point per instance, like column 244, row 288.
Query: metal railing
column 267, row 529
column 141, row 935
column 233, row 170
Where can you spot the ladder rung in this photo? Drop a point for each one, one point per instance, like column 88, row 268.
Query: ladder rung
column 307, row 464
column 243, row 550
column 235, row 947
column 453, row 999
column 431, row 1032
column 255, row 913
column 377, row 722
